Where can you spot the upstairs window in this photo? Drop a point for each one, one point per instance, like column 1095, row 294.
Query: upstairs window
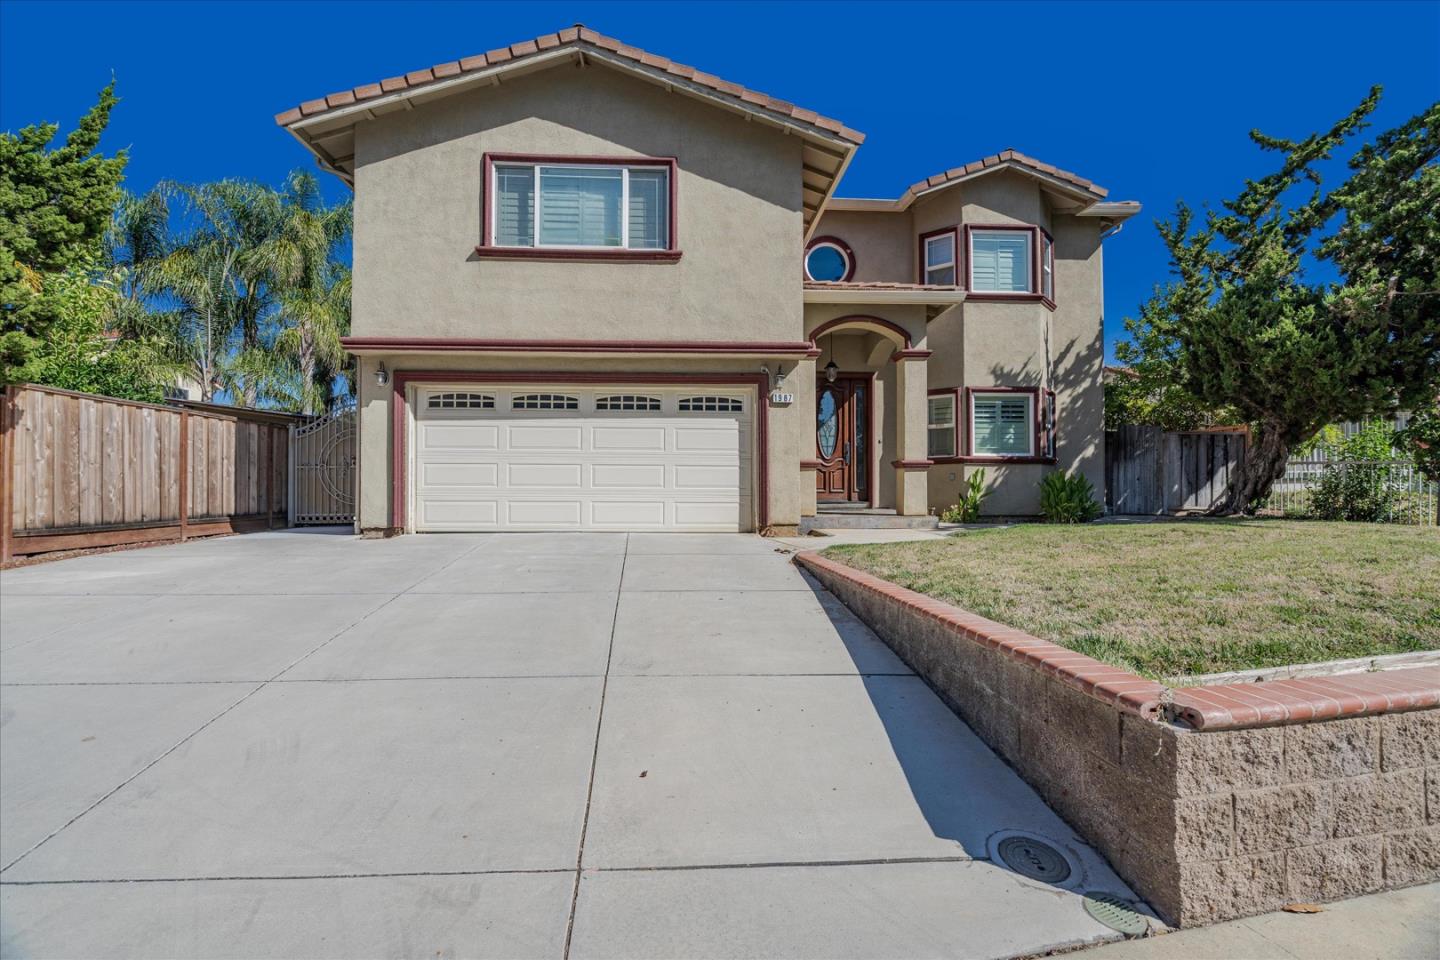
column 1002, row 424
column 581, row 206
column 1047, row 267
column 829, row 259
column 939, row 262
column 1000, row 260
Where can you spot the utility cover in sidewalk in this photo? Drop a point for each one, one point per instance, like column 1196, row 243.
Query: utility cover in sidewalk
column 1031, row 858
column 1117, row 913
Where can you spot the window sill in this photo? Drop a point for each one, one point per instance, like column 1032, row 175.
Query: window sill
column 991, row 297
column 996, row 459
column 578, row 256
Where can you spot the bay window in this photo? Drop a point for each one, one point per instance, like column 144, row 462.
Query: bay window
column 1000, row 260
column 575, row 205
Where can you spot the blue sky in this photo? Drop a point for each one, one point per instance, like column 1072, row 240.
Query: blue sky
column 1152, row 100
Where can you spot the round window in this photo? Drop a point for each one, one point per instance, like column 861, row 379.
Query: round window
column 829, row 260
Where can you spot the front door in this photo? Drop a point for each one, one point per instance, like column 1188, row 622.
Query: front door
column 842, row 438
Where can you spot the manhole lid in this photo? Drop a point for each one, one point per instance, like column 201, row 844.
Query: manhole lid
column 1117, row 913
column 1032, row 858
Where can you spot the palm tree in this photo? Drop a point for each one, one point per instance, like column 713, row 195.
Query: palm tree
column 313, row 292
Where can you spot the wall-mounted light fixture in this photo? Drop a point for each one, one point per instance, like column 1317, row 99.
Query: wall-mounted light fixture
column 382, row 376
column 831, row 371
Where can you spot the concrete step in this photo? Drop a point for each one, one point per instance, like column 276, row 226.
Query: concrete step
column 876, row 520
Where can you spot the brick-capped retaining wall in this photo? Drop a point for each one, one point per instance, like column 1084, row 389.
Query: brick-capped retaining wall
column 1214, row 802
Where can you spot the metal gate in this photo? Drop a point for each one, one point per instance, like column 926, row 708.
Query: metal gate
column 322, row 471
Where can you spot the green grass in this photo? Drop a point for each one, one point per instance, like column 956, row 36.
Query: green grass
column 1176, row 599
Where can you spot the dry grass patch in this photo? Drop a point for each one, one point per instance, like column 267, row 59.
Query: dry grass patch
column 1188, row 597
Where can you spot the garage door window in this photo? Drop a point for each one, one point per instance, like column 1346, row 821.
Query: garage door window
column 627, row 401
column 710, row 405
column 544, row 401
column 461, row 401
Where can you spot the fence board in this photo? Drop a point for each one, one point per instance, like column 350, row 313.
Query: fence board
column 1150, row 472
column 88, row 470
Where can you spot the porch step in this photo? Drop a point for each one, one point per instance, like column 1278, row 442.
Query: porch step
column 845, row 517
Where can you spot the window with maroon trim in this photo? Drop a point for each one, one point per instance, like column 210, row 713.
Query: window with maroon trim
column 829, row 259
column 939, row 257
column 1047, row 266
column 583, row 204
column 942, row 426
column 1047, row 426
column 1002, row 423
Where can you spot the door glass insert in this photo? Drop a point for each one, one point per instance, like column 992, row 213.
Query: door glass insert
column 862, row 420
column 828, row 418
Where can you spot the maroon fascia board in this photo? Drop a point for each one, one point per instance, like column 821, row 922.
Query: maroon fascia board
column 463, row 345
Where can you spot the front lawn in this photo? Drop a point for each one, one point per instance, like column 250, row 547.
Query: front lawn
column 1180, row 598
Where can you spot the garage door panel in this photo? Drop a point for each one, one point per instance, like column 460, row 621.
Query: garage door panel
column 705, row 513
column 548, row 437
column 523, row 475
column 549, row 513
column 631, row 514
column 459, row 436
column 628, row 438
column 451, row 474
column 634, row 476
column 459, row 513
column 707, row 476
column 498, row 468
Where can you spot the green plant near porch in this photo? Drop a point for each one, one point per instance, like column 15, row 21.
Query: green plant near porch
column 1068, row 498
column 967, row 509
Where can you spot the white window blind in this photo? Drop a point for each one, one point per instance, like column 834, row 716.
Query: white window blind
column 940, row 259
column 649, row 209
column 1047, row 266
column 941, row 433
column 514, row 206
column 1002, row 424
column 1000, row 261
column 581, row 206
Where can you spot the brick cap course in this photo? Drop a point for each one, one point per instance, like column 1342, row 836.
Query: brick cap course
column 1231, row 706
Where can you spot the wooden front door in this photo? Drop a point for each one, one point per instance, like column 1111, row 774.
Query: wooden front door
column 842, row 440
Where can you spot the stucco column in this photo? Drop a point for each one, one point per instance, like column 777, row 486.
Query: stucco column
column 912, row 385
column 801, row 382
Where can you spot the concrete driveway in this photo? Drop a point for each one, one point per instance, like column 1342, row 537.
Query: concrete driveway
column 304, row 744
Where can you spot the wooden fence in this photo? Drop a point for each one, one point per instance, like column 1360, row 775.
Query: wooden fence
column 85, row 471
column 1149, row 471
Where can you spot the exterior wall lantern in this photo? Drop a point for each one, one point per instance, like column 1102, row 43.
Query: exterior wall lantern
column 382, row 376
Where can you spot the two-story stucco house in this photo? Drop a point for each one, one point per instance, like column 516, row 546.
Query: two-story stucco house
column 598, row 290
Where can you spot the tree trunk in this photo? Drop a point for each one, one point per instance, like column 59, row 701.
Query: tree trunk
column 1263, row 464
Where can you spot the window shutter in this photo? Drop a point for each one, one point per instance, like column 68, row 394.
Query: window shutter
column 649, row 209
column 1003, row 425
column 1001, row 262
column 514, row 206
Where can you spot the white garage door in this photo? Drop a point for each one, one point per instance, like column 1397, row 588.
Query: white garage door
column 591, row 458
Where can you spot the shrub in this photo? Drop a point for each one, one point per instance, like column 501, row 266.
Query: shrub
column 1068, row 498
column 967, row 510
column 1356, row 484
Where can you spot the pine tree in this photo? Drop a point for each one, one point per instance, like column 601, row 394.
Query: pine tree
column 55, row 207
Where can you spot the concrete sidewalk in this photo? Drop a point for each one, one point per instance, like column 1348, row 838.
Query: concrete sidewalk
column 1395, row 925
column 517, row 745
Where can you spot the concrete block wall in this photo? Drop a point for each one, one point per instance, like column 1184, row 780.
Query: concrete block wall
column 1207, row 825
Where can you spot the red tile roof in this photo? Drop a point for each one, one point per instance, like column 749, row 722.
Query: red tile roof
column 994, row 160
column 578, row 35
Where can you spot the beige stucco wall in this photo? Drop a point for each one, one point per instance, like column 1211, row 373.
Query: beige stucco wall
column 883, row 243
column 418, row 216
column 988, row 344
